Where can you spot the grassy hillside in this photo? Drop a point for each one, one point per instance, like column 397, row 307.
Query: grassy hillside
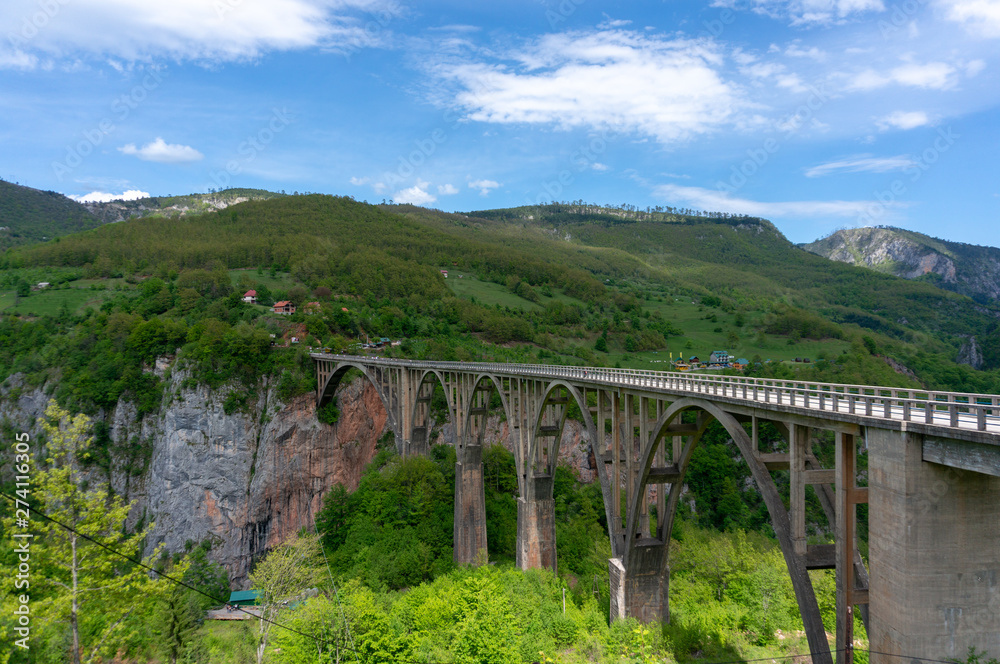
column 582, row 288
column 28, row 215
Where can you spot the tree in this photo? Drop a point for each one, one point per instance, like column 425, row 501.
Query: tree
column 332, row 519
column 284, row 573
column 91, row 588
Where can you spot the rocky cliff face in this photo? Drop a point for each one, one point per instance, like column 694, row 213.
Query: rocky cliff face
column 246, row 480
column 964, row 268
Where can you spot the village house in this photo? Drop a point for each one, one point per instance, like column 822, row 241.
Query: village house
column 250, row 297
column 719, row 357
column 311, row 307
column 285, row 308
column 444, row 273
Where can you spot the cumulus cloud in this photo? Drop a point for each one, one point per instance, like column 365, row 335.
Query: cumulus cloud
column 598, row 166
column 104, row 197
column 610, row 80
column 188, row 29
column 447, row 189
column 862, row 164
column 484, row 186
column 163, row 152
column 415, row 195
column 360, row 182
column 980, row 17
column 903, row 120
column 720, row 201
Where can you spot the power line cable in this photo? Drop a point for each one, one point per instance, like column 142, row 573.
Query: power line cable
column 347, row 625
column 36, row 511
column 353, row 649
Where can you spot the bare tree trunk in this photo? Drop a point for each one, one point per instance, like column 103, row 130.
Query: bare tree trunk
column 263, row 639
column 73, row 621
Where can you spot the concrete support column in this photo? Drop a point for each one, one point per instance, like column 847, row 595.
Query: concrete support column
column 536, row 525
column 470, row 506
column 934, row 541
column 641, row 590
column 536, row 533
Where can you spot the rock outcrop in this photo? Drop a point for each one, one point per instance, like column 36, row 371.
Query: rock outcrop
column 964, row 268
column 970, row 354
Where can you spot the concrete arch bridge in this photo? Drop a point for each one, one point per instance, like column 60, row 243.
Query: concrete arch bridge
column 933, row 483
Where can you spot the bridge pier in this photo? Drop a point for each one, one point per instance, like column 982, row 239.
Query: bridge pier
column 640, row 589
column 470, row 506
column 536, row 528
column 934, row 548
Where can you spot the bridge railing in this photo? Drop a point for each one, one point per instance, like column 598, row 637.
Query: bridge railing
column 939, row 408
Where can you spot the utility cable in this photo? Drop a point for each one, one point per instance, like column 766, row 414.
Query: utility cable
column 179, row 582
column 329, row 571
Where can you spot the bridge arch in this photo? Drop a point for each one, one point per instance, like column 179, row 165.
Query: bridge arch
column 420, row 410
column 536, row 540
column 550, row 422
column 329, row 391
column 636, row 550
column 473, row 410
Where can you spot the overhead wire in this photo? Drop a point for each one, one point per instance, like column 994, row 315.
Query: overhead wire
column 34, row 510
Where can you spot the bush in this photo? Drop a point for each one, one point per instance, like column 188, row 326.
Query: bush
column 328, row 413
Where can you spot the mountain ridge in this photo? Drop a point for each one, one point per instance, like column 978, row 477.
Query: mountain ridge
column 968, row 269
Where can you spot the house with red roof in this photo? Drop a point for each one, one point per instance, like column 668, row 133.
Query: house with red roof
column 250, row 296
column 285, row 308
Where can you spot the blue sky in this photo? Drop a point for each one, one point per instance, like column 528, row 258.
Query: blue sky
column 816, row 114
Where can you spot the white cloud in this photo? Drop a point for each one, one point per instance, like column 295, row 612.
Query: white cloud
column 813, row 53
column 163, row 152
column 980, row 17
column 862, row 164
column 609, row 80
column 903, row 120
column 17, row 59
column 719, row 201
column 447, row 189
column 415, row 195
column 104, row 197
column 806, row 12
column 973, row 67
column 484, row 186
column 609, row 22
column 598, row 166
column 198, row 30
column 933, row 75
column 359, row 182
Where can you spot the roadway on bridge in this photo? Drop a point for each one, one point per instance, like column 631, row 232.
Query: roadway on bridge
column 950, row 410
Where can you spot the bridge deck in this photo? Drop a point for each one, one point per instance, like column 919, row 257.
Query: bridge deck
column 955, row 414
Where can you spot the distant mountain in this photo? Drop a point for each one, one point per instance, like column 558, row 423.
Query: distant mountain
column 29, row 215
column 964, row 268
column 176, row 206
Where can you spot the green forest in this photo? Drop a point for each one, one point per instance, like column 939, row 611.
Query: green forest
column 562, row 284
